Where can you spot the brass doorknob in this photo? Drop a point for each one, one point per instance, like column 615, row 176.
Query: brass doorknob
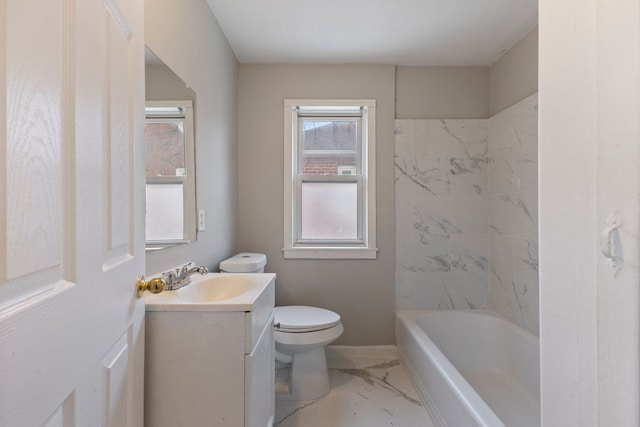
column 155, row 286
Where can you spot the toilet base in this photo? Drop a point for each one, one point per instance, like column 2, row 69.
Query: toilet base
column 308, row 376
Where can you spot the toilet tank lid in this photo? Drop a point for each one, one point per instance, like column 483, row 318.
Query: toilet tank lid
column 244, row 262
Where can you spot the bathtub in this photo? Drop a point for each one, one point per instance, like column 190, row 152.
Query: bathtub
column 471, row 368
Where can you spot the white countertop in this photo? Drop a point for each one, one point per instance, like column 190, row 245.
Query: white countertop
column 171, row 301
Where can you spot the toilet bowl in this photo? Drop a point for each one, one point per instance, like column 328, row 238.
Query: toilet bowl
column 301, row 334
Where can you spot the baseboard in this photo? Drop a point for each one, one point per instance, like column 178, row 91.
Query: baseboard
column 359, row 357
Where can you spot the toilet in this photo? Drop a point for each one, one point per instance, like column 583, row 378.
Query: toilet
column 301, row 334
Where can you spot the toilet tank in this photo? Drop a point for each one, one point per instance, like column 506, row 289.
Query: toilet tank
column 244, row 262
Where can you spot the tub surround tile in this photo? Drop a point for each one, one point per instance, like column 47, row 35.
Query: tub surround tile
column 449, row 215
column 501, row 256
column 441, row 213
column 502, row 177
column 504, row 298
column 439, row 255
column 530, row 311
column 444, row 291
column 466, row 214
column 517, row 302
column 514, row 127
column 525, row 167
column 376, row 395
column 443, row 157
column 513, row 214
column 526, row 260
column 514, row 170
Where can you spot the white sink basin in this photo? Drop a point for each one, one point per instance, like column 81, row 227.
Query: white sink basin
column 214, row 288
column 217, row 292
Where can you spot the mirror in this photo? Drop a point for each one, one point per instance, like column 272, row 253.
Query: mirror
column 169, row 157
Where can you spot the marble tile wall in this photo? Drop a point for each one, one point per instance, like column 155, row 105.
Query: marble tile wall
column 466, row 214
column 513, row 213
column 442, row 211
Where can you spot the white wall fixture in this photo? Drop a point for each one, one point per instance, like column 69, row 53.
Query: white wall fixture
column 608, row 241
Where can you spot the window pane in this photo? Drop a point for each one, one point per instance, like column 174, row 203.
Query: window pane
column 164, row 212
column 165, row 147
column 329, row 147
column 329, row 210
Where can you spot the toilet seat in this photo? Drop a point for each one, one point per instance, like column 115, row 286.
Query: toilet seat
column 298, row 318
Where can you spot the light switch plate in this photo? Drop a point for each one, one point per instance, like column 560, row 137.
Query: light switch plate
column 201, row 222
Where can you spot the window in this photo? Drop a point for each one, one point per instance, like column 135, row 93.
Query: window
column 329, row 179
column 170, row 173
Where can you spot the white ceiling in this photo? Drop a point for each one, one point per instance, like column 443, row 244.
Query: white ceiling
column 403, row 32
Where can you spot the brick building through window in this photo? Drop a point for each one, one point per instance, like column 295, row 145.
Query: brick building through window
column 330, row 147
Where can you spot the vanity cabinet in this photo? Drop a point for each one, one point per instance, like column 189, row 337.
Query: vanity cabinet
column 210, row 367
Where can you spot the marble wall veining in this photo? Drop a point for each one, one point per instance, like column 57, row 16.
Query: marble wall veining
column 441, row 214
column 466, row 214
column 513, row 213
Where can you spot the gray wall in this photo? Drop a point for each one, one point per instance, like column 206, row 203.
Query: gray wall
column 442, row 92
column 514, row 76
column 469, row 92
column 163, row 84
column 361, row 291
column 186, row 36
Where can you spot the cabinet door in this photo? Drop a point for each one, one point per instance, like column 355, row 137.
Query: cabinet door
column 260, row 380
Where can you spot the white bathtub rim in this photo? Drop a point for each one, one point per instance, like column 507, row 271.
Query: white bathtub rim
column 480, row 411
column 480, row 312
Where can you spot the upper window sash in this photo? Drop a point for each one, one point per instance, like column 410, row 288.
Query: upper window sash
column 300, row 151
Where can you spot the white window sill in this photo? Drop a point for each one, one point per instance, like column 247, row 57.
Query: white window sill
column 330, row 253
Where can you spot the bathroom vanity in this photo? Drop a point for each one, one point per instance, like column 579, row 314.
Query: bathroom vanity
column 209, row 353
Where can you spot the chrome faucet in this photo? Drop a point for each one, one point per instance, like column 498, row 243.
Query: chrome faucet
column 182, row 276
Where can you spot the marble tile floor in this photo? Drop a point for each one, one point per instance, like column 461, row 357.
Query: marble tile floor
column 376, row 395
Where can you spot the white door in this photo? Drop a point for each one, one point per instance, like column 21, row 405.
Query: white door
column 589, row 136
column 71, row 212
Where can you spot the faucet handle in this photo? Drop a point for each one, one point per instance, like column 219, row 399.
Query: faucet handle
column 185, row 268
column 169, row 277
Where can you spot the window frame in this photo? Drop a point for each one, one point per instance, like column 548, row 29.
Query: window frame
column 364, row 247
column 187, row 181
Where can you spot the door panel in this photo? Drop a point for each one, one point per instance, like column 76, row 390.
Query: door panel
column 116, row 384
column 119, row 144
column 589, row 133
column 72, row 227
column 34, row 147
